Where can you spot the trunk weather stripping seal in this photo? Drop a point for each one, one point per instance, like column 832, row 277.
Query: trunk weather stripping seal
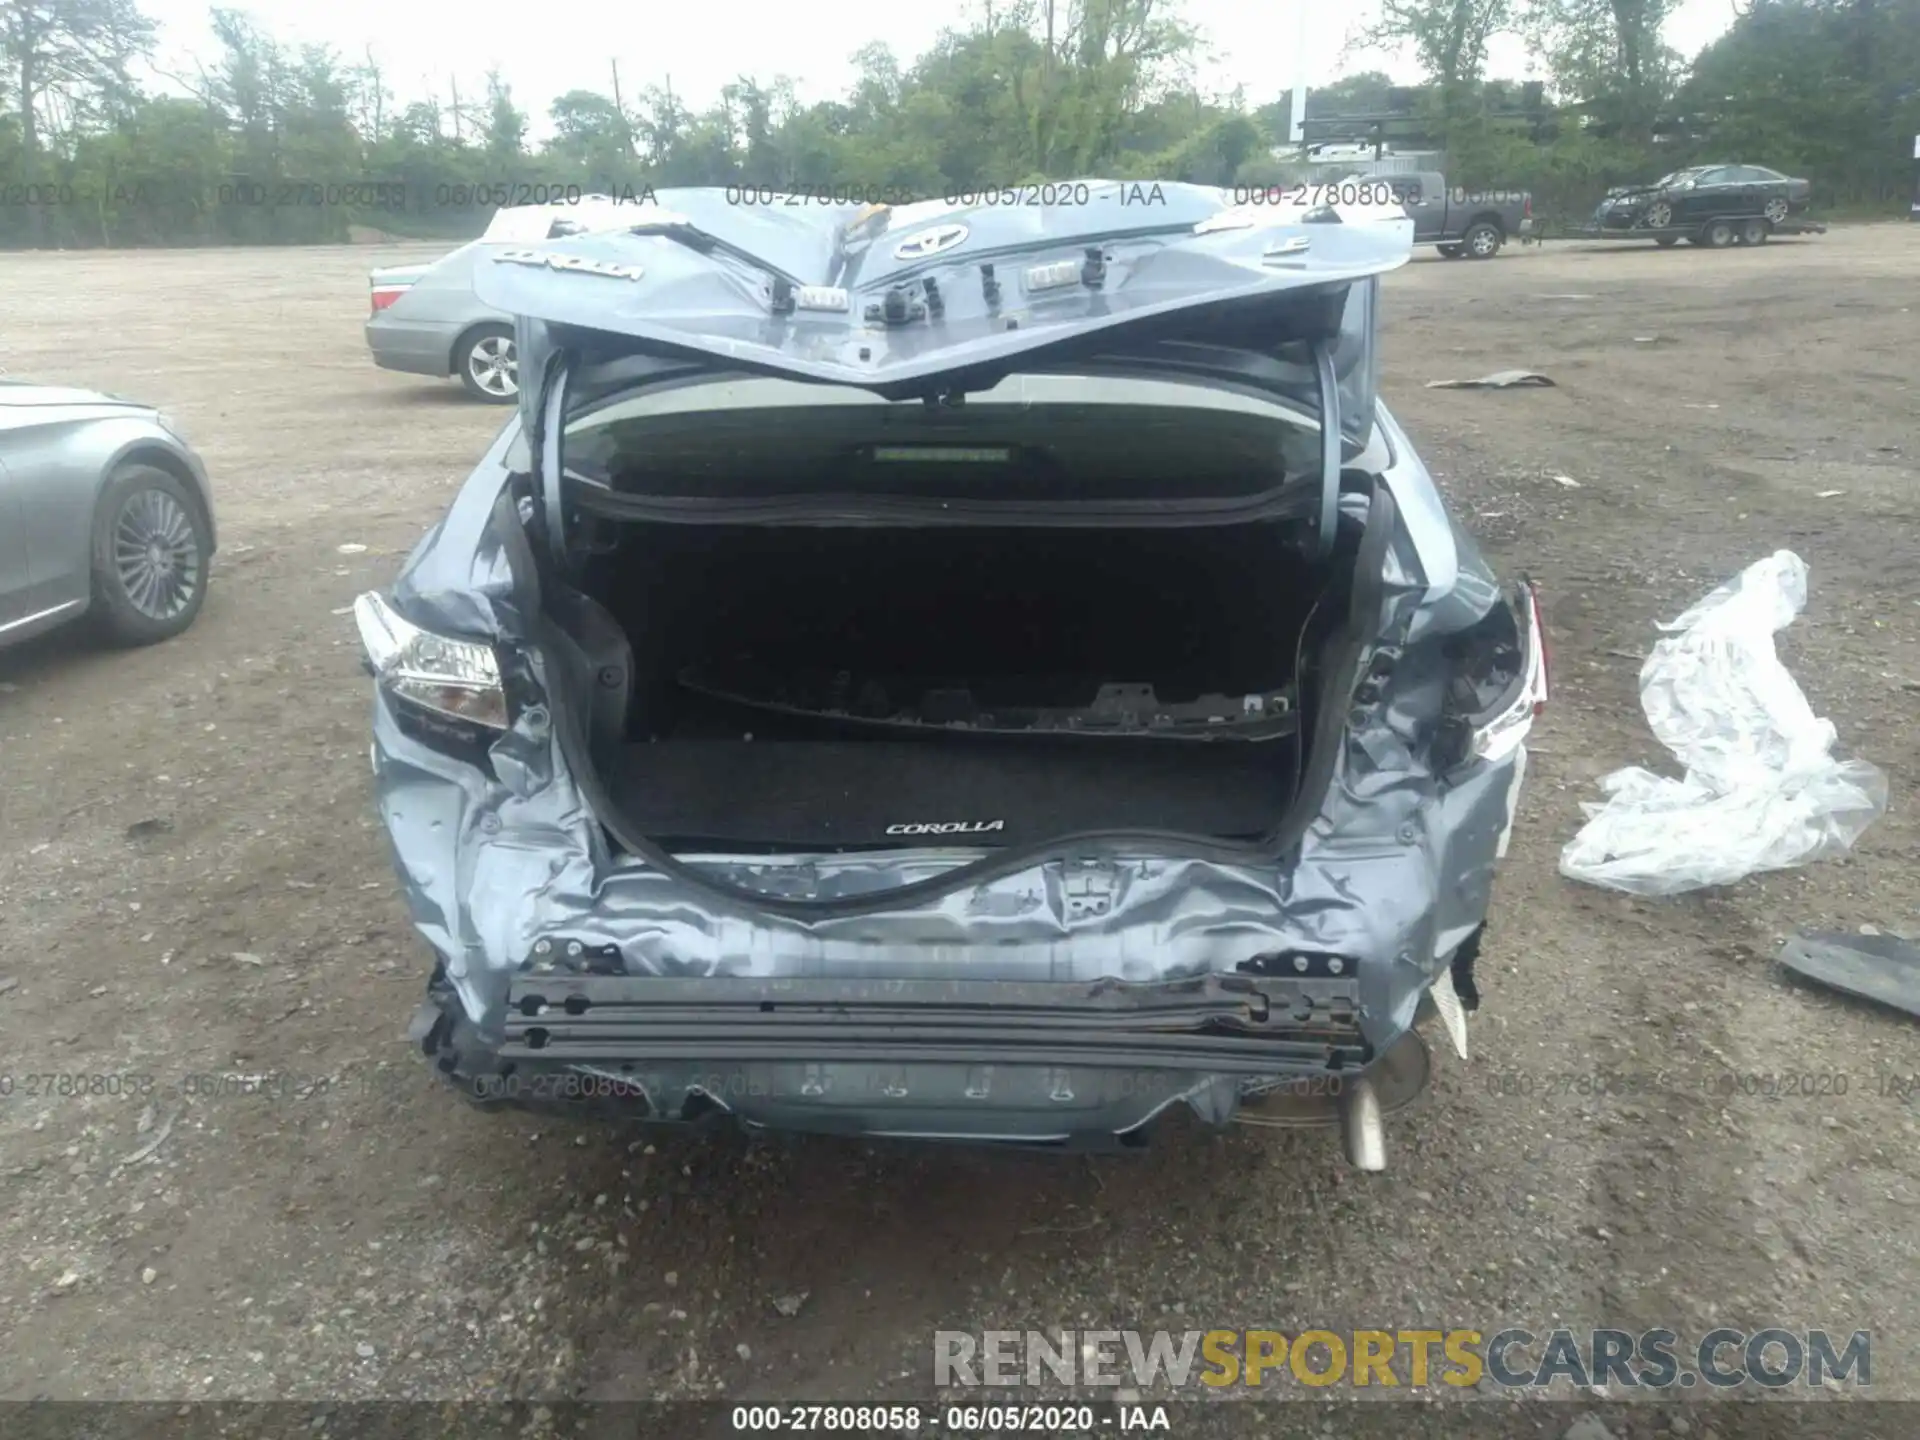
column 552, row 471
column 1364, row 617
column 1330, row 450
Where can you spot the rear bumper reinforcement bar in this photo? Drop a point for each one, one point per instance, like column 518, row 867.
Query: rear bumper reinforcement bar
column 1218, row 1024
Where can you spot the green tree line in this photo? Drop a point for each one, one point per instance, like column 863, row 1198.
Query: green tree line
column 277, row 143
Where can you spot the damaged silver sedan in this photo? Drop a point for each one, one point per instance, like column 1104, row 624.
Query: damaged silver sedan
column 988, row 674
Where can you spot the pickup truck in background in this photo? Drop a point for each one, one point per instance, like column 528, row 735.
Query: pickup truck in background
column 1473, row 223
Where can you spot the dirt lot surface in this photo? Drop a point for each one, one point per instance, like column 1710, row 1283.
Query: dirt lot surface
column 192, row 881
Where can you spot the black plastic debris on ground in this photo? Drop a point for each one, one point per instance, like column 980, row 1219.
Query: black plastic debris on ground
column 1881, row 968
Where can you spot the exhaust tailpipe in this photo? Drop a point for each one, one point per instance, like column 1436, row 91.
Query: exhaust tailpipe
column 1357, row 1103
column 1362, row 1126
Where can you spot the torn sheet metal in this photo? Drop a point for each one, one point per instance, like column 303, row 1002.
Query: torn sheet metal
column 1394, row 874
column 1453, row 1014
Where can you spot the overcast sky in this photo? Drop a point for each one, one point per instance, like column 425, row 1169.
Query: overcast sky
column 546, row 47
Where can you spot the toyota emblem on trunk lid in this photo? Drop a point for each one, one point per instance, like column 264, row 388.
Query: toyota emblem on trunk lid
column 932, row 241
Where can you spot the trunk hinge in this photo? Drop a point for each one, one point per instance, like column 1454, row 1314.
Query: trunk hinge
column 1329, row 515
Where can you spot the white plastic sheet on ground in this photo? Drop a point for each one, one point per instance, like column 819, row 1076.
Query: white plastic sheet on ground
column 1762, row 791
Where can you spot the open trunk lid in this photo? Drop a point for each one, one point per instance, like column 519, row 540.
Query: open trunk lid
column 936, row 300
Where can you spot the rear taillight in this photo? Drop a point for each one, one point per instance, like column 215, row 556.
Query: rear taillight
column 455, row 679
column 385, row 295
column 1527, row 207
column 1497, row 736
column 1499, row 684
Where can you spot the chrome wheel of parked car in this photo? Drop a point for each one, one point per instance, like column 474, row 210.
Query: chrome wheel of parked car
column 150, row 549
column 489, row 366
column 1776, row 210
column 1658, row 216
column 155, row 554
column 1483, row 241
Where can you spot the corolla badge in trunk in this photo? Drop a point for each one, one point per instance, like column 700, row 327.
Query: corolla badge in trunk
column 948, row 827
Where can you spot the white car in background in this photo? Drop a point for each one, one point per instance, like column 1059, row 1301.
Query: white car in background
column 1346, row 150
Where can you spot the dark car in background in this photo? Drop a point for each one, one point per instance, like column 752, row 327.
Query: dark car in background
column 1706, row 198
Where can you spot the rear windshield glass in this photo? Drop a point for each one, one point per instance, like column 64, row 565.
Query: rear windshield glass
column 1051, row 436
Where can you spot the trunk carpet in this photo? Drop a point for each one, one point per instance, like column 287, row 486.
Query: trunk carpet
column 824, row 794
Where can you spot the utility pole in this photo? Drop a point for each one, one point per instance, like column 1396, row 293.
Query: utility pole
column 378, row 81
column 1297, row 106
column 453, row 82
column 620, row 109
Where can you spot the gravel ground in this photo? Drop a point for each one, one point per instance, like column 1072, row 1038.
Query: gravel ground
column 192, row 880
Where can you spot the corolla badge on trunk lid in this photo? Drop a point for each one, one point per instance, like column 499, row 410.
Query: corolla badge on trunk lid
column 580, row 264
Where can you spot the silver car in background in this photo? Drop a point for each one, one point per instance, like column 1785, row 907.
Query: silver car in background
column 426, row 320
column 105, row 512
